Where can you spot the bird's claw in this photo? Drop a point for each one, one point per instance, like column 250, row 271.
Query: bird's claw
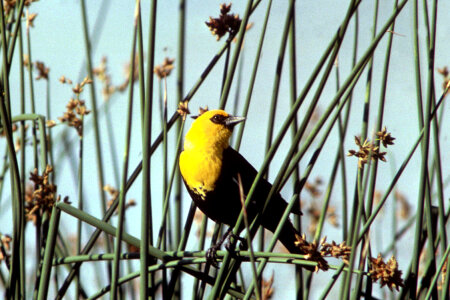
column 211, row 253
column 243, row 241
column 211, row 256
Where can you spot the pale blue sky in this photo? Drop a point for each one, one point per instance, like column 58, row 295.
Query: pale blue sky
column 57, row 40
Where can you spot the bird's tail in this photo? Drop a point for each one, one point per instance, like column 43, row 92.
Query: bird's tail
column 288, row 236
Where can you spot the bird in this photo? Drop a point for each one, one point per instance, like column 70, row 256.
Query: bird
column 210, row 168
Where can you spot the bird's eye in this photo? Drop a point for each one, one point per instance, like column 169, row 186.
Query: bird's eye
column 218, row 119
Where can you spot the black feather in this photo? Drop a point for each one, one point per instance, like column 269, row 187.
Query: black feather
column 223, row 204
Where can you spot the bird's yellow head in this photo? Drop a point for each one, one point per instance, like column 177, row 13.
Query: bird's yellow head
column 212, row 129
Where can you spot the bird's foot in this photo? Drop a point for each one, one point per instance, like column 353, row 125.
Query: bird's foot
column 243, row 243
column 211, row 255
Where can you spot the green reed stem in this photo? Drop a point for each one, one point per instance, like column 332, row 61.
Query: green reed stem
column 32, row 100
column 40, row 120
column 15, row 33
column 196, row 294
column 412, row 283
column 417, row 72
column 256, row 276
column 112, row 142
column 340, row 107
column 438, row 272
column 95, row 122
column 146, row 208
column 379, row 125
column 437, row 169
column 182, row 246
column 253, row 76
column 17, row 201
column 296, row 176
column 23, row 259
column 180, row 92
column 107, row 228
column 272, row 243
column 93, row 104
column 399, row 172
column 48, row 254
column 163, row 230
column 232, row 67
column 358, row 201
column 5, row 64
column 176, row 264
column 80, row 199
column 278, row 73
column 345, row 87
column 166, row 231
column 122, row 195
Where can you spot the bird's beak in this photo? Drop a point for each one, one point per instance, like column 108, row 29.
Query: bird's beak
column 231, row 121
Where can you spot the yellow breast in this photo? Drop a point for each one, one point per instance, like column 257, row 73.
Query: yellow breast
column 200, row 170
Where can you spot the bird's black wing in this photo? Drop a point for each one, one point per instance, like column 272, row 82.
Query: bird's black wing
column 227, row 204
column 235, row 163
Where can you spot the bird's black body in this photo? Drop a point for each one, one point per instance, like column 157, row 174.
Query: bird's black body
column 223, row 204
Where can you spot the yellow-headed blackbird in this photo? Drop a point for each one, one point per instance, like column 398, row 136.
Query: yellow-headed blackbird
column 210, row 169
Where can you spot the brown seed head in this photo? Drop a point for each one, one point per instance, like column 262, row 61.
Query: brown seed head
column 388, row 273
column 112, row 191
column 313, row 189
column 225, row 23
column 202, row 110
column 443, row 71
column 165, row 68
column 77, row 89
column 42, row 71
column 183, row 109
column 8, row 5
column 85, row 81
column 75, row 109
column 64, row 80
column 14, row 128
column 42, row 195
column 446, row 78
column 385, row 137
column 267, row 288
column 366, row 150
column 6, row 241
column 311, row 252
column 126, row 71
column 26, row 60
column 30, row 20
column 318, row 251
column 405, row 208
column 101, row 73
column 443, row 275
column 341, row 251
column 50, row 123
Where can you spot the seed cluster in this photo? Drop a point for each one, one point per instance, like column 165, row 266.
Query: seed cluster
column 225, row 23
column 317, row 251
column 366, row 151
column 388, row 273
column 445, row 74
column 41, row 196
column 165, row 68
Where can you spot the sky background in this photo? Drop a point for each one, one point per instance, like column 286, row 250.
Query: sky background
column 57, row 40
